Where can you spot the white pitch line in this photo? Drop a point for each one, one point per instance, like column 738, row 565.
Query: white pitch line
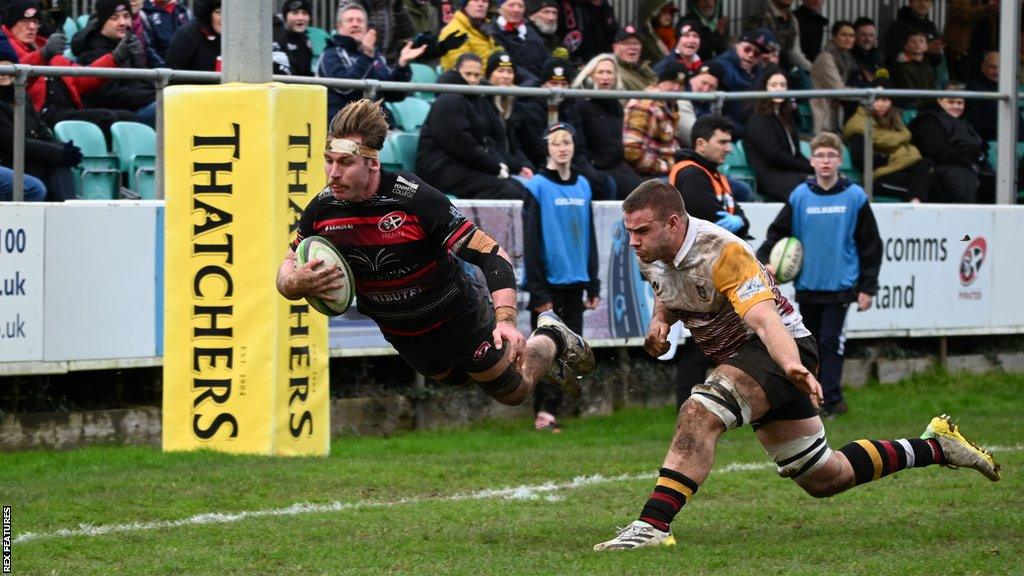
column 523, row 492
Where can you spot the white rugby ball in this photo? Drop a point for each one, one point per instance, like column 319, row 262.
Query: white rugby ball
column 319, row 248
column 787, row 257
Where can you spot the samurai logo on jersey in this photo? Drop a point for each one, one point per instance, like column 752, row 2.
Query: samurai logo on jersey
column 391, row 221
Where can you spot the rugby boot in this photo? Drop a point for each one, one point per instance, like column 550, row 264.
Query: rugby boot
column 561, row 375
column 959, row 452
column 576, row 353
column 639, row 534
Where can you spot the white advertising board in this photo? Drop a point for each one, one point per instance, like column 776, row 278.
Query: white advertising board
column 22, row 237
column 101, row 280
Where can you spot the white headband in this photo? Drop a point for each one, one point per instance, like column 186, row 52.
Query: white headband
column 345, row 146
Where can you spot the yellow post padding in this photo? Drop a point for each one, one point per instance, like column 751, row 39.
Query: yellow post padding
column 245, row 370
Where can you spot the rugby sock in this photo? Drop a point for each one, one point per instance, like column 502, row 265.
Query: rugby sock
column 872, row 459
column 670, row 494
column 555, row 337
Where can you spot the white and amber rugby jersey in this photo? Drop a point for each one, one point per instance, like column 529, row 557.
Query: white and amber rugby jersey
column 713, row 281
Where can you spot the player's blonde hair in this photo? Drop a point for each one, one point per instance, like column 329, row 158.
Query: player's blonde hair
column 364, row 118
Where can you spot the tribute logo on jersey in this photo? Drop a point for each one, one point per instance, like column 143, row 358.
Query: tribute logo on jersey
column 391, row 221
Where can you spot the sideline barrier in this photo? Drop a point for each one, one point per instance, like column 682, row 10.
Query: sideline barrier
column 933, row 282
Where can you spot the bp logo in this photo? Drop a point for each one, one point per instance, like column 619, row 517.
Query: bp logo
column 971, row 261
column 391, row 221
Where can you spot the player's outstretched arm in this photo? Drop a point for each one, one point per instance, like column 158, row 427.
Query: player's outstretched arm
column 764, row 320
column 311, row 279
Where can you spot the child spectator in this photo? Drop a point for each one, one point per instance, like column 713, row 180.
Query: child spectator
column 292, row 48
column 833, row 220
column 560, row 248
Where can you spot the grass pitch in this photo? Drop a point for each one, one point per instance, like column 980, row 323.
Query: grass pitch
column 432, row 502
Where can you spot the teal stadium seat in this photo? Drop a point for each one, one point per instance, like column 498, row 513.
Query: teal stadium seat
column 70, row 27
column 389, row 159
column 806, row 118
column 423, row 74
column 98, row 176
column 410, row 113
column 736, row 167
column 319, row 39
column 134, row 145
column 847, row 169
column 405, row 145
column 908, row 116
column 82, row 21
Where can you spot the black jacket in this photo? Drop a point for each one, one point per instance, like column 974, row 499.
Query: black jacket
column 775, row 158
column 589, row 31
column 602, row 128
column 905, row 23
column 298, row 49
column 528, row 54
column 195, row 46
column 813, row 29
column 43, row 152
column 865, row 234
column 460, row 131
column 89, row 45
column 947, row 140
column 699, row 194
column 983, row 115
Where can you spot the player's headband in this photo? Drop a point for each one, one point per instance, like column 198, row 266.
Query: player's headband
column 345, row 146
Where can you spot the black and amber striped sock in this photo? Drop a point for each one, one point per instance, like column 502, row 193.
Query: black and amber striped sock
column 670, row 494
column 872, row 459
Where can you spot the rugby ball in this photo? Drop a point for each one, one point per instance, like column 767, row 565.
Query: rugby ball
column 787, row 256
column 319, row 248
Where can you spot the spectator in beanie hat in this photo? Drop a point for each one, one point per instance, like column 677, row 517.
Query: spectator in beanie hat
column 686, row 48
column 109, row 31
column 522, row 42
column 292, row 49
column 55, row 99
column 543, row 17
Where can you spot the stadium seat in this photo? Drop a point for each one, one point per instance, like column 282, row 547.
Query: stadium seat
column 70, row 27
column 405, row 145
column 423, row 74
column 82, row 21
column 847, row 169
column 319, row 39
column 134, row 144
column 98, row 176
column 806, row 118
column 410, row 113
column 389, row 159
column 909, row 115
column 736, row 167
column 70, row 55
column 805, row 148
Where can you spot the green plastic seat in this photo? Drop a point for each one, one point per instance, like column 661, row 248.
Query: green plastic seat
column 423, row 74
column 410, row 113
column 908, row 116
column 319, row 38
column 736, row 167
column 847, row 169
column 389, row 159
column 405, row 145
column 134, row 145
column 98, row 175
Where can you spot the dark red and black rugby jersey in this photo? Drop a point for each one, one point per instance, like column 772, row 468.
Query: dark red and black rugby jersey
column 398, row 244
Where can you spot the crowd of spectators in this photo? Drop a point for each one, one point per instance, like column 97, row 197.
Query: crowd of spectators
column 489, row 147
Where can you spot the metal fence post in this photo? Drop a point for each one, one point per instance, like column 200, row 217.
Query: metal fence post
column 869, row 148
column 20, row 80
column 1009, row 113
column 162, row 80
